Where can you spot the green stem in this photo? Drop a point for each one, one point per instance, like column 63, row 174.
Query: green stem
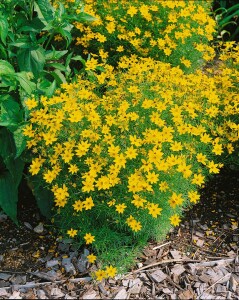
column 49, row 40
column 31, row 9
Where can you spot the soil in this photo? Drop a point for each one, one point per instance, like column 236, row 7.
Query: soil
column 208, row 230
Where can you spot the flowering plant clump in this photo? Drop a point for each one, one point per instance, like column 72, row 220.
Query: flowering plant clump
column 125, row 151
column 178, row 32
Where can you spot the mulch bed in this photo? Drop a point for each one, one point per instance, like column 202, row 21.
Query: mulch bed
column 197, row 260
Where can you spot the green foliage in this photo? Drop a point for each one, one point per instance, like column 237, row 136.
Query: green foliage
column 29, row 65
column 124, row 161
column 178, row 32
column 11, row 169
column 226, row 15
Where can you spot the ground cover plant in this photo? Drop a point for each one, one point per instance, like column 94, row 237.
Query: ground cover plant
column 122, row 171
column 178, row 32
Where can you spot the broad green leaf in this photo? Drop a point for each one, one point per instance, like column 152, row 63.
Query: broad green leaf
column 31, row 60
column 46, row 87
column 54, row 55
column 60, row 78
column 8, row 196
column 68, row 59
column 20, row 141
column 65, row 32
column 10, row 114
column 23, row 43
column 56, row 66
column 60, row 10
column 8, row 82
column 35, row 25
column 44, row 10
column 3, row 52
column 3, row 28
column 80, row 58
column 8, row 153
column 6, row 68
column 25, row 83
column 51, row 89
column 84, row 17
column 44, row 197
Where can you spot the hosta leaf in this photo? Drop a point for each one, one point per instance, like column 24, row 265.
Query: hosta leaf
column 8, row 196
column 44, row 197
column 8, row 153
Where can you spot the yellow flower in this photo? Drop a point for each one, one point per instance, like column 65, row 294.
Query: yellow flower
column 110, row 271
column 91, row 258
column 72, row 232
column 28, row 131
column 35, row 166
column 138, row 201
column 175, row 220
column 120, row 208
column 78, row 205
column 213, row 168
column 73, row 169
column 89, row 238
column 201, row 158
column 120, row 49
column 49, row 176
column 217, row 149
column 131, row 152
column 154, row 210
column 163, row 186
column 176, row 146
column 135, row 225
column 132, row 11
column 88, row 203
column 152, row 177
column 91, row 64
column 175, row 200
column 31, row 103
column 186, row 62
column 193, row 196
column 100, row 274
column 198, row 179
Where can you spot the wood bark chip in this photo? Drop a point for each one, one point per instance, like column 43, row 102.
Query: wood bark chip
column 166, row 261
column 227, row 276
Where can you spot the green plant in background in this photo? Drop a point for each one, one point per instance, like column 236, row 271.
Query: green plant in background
column 29, row 65
column 227, row 16
column 178, row 32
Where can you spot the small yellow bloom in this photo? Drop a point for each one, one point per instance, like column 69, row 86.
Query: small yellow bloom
column 120, row 208
column 73, row 169
column 91, row 258
column 88, row 203
column 110, row 271
column 31, row 103
column 78, row 205
column 89, row 238
column 72, row 232
column 175, row 220
column 100, row 274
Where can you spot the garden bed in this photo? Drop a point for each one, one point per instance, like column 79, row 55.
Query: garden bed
column 208, row 233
